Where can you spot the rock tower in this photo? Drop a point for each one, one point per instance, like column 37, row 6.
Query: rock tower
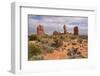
column 65, row 29
column 75, row 30
column 40, row 30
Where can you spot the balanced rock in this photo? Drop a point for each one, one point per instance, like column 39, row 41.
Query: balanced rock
column 75, row 30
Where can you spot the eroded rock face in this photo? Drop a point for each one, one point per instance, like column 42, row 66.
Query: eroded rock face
column 40, row 30
column 75, row 30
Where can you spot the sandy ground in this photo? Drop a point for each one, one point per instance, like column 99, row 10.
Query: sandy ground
column 61, row 53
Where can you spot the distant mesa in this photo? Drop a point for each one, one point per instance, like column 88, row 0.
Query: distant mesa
column 41, row 32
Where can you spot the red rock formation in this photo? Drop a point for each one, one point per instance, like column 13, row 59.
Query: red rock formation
column 55, row 33
column 75, row 30
column 60, row 33
column 40, row 30
column 65, row 29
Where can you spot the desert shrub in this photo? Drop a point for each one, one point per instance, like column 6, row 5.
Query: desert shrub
column 57, row 42
column 80, row 40
column 66, row 36
column 39, row 40
column 73, row 43
column 44, row 36
column 50, row 36
column 65, row 45
column 84, row 36
column 33, row 50
column 62, row 37
column 48, row 48
column 33, row 37
column 73, row 37
column 69, row 54
column 55, row 37
column 44, row 41
column 86, row 41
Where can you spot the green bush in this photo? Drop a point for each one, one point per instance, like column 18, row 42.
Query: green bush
column 33, row 37
column 84, row 36
column 45, row 36
column 47, row 48
column 58, row 42
column 50, row 49
column 39, row 40
column 62, row 37
column 44, row 41
column 33, row 50
column 73, row 37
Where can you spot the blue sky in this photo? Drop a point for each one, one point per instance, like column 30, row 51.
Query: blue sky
column 52, row 23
